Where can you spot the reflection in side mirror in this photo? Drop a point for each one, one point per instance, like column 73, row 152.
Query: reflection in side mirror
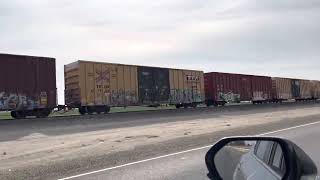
column 241, row 160
column 256, row 158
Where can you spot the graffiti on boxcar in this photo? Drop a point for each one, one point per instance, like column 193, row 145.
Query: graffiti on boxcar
column 154, row 95
column 9, row 101
column 131, row 97
column 122, row 97
column 260, row 96
column 229, row 97
column 185, row 96
column 176, row 95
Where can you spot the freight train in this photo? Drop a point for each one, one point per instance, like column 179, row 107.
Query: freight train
column 28, row 86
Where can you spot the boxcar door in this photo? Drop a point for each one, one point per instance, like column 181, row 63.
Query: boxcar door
column 146, row 83
column 295, row 87
column 246, row 89
column 153, row 85
column 161, row 85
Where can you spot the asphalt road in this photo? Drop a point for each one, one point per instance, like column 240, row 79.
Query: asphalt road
column 190, row 165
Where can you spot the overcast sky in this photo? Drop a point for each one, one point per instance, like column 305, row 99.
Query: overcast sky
column 265, row 37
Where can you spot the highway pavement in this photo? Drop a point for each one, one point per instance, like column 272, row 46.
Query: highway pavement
column 190, row 164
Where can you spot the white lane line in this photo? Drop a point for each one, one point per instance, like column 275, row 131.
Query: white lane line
column 286, row 129
column 177, row 153
column 136, row 162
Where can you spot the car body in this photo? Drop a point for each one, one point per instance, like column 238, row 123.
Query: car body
column 265, row 159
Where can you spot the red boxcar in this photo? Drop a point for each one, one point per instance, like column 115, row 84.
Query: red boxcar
column 27, row 85
column 261, row 89
column 221, row 88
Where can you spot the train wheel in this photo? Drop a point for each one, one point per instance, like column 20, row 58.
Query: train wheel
column 41, row 113
column 14, row 114
column 185, row 106
column 178, row 106
column 90, row 110
column 18, row 114
column 82, row 110
column 107, row 109
column 194, row 105
column 209, row 103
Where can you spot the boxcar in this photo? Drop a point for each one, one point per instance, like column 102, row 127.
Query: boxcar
column 221, row 88
column 261, row 89
column 297, row 89
column 281, row 89
column 96, row 86
column 28, row 85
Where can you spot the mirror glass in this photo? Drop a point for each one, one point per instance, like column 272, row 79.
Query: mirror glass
column 242, row 160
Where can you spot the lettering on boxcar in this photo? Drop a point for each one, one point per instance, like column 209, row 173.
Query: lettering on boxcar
column 43, row 99
column 192, row 78
column 102, row 85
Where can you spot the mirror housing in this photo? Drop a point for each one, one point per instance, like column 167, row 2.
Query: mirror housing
column 298, row 163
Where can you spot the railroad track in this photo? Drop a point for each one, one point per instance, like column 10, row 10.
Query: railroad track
column 165, row 112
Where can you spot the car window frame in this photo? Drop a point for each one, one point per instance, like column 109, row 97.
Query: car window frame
column 276, row 169
column 267, row 165
column 268, row 155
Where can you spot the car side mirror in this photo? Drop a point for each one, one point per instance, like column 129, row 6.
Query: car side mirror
column 241, row 158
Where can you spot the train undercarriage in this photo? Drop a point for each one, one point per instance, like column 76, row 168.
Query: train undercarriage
column 39, row 113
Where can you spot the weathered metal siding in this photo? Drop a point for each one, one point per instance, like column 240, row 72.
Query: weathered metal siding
column 103, row 84
column 228, row 87
column 281, row 88
column 186, row 86
column 153, row 85
column 209, row 88
column 306, row 87
column 316, row 89
column 261, row 88
column 27, row 82
column 72, row 91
